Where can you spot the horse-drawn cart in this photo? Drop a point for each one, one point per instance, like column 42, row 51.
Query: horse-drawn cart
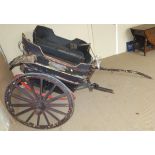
column 53, row 69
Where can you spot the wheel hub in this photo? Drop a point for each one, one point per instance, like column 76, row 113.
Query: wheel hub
column 40, row 104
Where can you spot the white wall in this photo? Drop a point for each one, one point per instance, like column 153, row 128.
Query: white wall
column 10, row 35
column 124, row 35
column 104, row 39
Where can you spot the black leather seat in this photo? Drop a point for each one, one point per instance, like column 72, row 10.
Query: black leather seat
column 56, row 46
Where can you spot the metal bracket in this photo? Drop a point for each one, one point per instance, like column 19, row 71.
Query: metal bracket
column 97, row 87
column 92, row 86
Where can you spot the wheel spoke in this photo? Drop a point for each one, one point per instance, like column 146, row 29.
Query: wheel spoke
column 21, row 98
column 31, row 115
column 53, row 116
column 46, row 118
column 57, row 111
column 21, row 105
column 49, row 92
column 25, row 92
column 56, row 98
column 24, row 111
column 58, row 105
column 38, row 119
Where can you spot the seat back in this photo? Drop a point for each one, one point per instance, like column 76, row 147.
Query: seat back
column 47, row 34
column 42, row 33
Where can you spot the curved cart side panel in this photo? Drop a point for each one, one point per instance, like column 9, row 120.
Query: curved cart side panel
column 30, row 47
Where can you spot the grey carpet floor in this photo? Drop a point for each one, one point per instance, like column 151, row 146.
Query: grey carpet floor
column 132, row 107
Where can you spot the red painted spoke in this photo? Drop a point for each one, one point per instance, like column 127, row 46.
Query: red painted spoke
column 25, row 92
column 46, row 118
column 24, row 111
column 31, row 115
column 53, row 115
column 49, row 92
column 21, row 98
column 32, row 87
column 56, row 98
column 41, row 86
column 57, row 111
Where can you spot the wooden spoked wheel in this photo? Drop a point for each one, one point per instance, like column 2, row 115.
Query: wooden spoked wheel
column 39, row 101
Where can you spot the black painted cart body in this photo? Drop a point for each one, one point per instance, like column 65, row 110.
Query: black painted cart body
column 53, row 69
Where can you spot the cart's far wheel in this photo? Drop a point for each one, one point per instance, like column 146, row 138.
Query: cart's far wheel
column 39, row 100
